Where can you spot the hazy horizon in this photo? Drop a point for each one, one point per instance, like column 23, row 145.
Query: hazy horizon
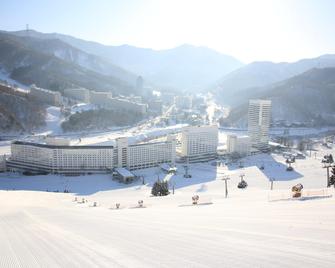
column 258, row 30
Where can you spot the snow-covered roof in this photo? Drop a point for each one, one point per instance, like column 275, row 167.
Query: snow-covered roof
column 167, row 167
column 276, row 144
column 124, row 172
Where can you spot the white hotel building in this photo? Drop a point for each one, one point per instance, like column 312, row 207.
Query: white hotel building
column 81, row 94
column 199, row 143
column 259, row 117
column 238, row 144
column 65, row 159
column 44, row 95
column 105, row 100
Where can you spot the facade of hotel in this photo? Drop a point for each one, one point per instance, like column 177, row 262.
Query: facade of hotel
column 259, row 117
column 238, row 144
column 100, row 97
column 199, row 143
column 126, row 105
column 65, row 159
column 145, row 155
column 51, row 97
column 81, row 94
column 105, row 100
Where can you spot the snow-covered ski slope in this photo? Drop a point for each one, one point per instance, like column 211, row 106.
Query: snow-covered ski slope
column 48, row 229
column 53, row 122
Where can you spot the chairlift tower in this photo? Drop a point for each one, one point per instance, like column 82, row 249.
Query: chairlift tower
column 327, row 164
column 186, row 168
column 225, row 178
column 187, row 175
column 271, row 183
column 27, row 30
column 286, row 135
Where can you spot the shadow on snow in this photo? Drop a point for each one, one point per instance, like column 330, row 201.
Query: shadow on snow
column 272, row 168
column 202, row 173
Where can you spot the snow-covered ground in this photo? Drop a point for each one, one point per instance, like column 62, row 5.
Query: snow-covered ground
column 82, row 107
column 135, row 135
column 5, row 77
column 47, row 229
column 53, row 122
column 293, row 131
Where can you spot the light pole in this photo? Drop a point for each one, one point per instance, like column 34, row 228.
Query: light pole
column 187, row 175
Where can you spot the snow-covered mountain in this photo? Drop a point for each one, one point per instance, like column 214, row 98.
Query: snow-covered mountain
column 18, row 112
column 73, row 55
column 308, row 97
column 56, row 65
column 262, row 74
column 185, row 67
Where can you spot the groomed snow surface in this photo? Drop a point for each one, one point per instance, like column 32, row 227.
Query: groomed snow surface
column 49, row 229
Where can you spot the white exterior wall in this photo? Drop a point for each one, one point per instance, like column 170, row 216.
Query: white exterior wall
column 199, row 140
column 259, row 117
column 126, row 105
column 83, row 159
column 32, row 155
column 100, row 97
column 81, row 94
column 151, row 154
column 238, row 144
column 122, row 152
column 44, row 95
column 78, row 159
column 63, row 159
column 105, row 100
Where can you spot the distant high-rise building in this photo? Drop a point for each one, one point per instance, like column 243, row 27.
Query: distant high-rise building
column 139, row 83
column 259, row 117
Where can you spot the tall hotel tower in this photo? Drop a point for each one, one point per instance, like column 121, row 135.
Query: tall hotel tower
column 259, row 117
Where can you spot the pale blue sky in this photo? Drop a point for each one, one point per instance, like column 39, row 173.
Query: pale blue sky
column 277, row 30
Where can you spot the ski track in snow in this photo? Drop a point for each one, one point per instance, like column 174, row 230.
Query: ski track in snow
column 46, row 229
column 254, row 235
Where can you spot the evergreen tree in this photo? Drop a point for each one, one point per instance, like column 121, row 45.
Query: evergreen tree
column 331, row 160
column 160, row 188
